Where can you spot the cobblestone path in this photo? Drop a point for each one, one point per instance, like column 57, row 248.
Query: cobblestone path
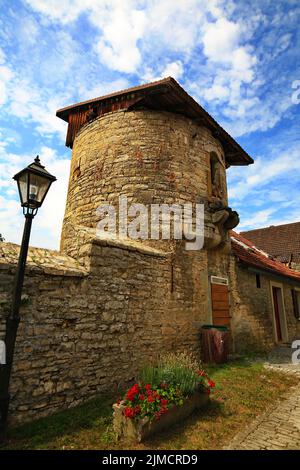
column 279, row 427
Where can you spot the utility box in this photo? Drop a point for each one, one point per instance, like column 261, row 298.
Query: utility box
column 215, row 343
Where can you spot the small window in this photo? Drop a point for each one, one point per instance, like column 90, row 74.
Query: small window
column 296, row 303
column 258, row 284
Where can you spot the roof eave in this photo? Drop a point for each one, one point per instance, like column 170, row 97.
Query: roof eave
column 267, row 271
column 235, row 155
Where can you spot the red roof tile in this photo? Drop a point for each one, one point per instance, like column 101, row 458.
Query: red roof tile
column 249, row 254
column 281, row 241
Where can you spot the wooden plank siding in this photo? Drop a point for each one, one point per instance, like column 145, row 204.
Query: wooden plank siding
column 78, row 117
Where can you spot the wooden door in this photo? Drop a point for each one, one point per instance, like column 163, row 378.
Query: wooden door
column 276, row 292
column 220, row 305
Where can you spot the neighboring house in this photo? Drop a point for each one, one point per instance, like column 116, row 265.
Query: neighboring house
column 280, row 241
column 264, row 298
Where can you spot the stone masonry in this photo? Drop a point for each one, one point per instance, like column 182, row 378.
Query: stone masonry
column 252, row 311
column 94, row 312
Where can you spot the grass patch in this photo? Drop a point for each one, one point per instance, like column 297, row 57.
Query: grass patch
column 243, row 391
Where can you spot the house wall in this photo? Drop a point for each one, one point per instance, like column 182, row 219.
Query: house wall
column 295, row 266
column 252, row 310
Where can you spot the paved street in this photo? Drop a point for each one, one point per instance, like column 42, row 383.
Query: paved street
column 279, row 427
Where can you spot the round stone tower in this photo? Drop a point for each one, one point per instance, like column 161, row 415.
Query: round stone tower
column 155, row 145
column 149, row 156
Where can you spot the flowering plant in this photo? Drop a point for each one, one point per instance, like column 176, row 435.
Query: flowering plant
column 151, row 401
column 164, row 386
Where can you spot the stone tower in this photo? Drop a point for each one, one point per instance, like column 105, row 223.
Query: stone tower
column 102, row 307
column 154, row 144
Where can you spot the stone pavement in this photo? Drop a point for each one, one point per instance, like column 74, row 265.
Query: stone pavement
column 279, row 427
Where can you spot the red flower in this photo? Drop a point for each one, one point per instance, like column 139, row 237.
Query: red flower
column 141, row 397
column 201, row 373
column 150, row 399
column 137, row 409
column 164, row 402
column 207, row 391
column 129, row 412
column 211, row 383
column 132, row 392
column 163, row 410
column 148, row 387
column 118, row 401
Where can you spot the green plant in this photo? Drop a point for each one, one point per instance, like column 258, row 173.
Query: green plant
column 109, row 436
column 180, row 370
column 149, row 401
column 160, row 387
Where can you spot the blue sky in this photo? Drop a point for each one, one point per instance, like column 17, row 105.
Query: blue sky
column 238, row 59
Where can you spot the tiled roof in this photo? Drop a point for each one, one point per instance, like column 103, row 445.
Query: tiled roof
column 281, row 241
column 249, row 254
column 164, row 95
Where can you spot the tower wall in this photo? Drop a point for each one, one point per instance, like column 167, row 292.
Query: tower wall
column 149, row 156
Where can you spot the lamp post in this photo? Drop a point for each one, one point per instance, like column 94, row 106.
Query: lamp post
column 33, row 184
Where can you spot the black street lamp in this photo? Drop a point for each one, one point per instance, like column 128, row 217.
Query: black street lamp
column 33, row 184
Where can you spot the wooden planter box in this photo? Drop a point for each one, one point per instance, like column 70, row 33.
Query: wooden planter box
column 139, row 430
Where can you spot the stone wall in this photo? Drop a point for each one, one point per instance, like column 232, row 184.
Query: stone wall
column 148, row 156
column 85, row 330
column 252, row 311
column 97, row 311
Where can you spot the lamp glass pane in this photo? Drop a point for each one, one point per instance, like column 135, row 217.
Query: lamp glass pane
column 22, row 183
column 38, row 186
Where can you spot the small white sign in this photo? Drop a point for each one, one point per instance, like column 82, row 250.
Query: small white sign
column 219, row 280
column 296, row 354
column 2, row 353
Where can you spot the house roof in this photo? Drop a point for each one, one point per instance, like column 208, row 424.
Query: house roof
column 165, row 95
column 281, row 241
column 249, row 254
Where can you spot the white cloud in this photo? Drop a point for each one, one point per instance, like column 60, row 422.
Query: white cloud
column 267, row 217
column 47, row 223
column 259, row 219
column 263, row 172
column 267, row 192
column 49, row 218
column 56, row 60
column 220, row 39
column 6, row 74
column 35, row 105
column 58, row 10
column 175, row 24
column 174, row 69
column 120, row 25
column 102, row 88
column 120, row 33
column 171, row 69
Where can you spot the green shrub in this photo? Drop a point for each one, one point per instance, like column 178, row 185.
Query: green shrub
column 179, row 370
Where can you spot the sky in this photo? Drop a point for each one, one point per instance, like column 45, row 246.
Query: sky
column 239, row 59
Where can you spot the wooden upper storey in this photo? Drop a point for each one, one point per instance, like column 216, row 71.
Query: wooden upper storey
column 162, row 95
